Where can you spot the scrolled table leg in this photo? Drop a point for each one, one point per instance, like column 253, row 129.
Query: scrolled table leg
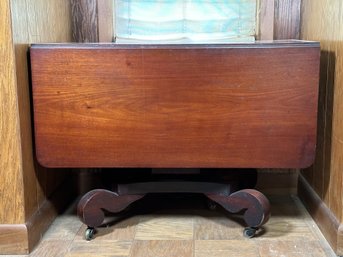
column 92, row 205
column 255, row 205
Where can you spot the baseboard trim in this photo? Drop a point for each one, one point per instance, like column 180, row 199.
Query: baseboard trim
column 39, row 223
column 22, row 238
column 327, row 222
column 14, row 239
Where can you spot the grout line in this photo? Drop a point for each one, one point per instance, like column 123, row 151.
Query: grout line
column 193, row 233
column 134, row 236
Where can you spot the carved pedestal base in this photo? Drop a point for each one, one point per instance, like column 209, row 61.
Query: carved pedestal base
column 254, row 204
column 92, row 205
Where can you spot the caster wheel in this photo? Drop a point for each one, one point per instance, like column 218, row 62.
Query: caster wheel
column 89, row 233
column 211, row 205
column 249, row 232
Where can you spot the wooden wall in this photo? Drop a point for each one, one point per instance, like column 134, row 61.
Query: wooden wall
column 321, row 185
column 24, row 189
column 93, row 20
column 38, row 21
column 11, row 186
column 287, row 19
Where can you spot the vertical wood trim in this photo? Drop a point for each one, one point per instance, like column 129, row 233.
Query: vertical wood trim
column 322, row 21
column 85, row 20
column 23, row 186
column 287, row 19
column 336, row 163
column 11, row 186
column 105, row 20
column 38, row 21
column 265, row 20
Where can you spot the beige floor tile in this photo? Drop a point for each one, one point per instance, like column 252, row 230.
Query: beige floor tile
column 2, row 255
column 291, row 248
column 226, row 248
column 168, row 248
column 216, row 227
column 165, row 228
column 100, row 249
column 52, row 248
column 287, row 222
column 286, row 229
column 64, row 228
column 123, row 229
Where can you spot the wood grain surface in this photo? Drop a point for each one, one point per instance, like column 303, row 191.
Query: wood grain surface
column 266, row 20
column 93, row 20
column 24, row 187
column 326, row 177
column 322, row 21
column 11, row 186
column 106, row 20
column 162, row 248
column 85, row 20
column 287, row 19
column 326, row 220
column 41, row 21
column 287, row 22
column 279, row 19
column 222, row 106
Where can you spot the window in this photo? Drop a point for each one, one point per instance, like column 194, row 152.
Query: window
column 185, row 20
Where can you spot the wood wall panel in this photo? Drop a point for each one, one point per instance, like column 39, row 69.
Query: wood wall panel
column 38, row 21
column 287, row 19
column 85, row 20
column 11, row 186
column 24, row 187
column 92, row 20
column 322, row 21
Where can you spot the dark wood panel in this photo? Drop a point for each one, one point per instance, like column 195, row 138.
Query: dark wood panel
column 85, row 21
column 287, row 19
column 220, row 106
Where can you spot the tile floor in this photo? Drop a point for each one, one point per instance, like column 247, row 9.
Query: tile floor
column 182, row 226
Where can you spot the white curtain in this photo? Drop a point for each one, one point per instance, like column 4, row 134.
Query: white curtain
column 185, row 20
